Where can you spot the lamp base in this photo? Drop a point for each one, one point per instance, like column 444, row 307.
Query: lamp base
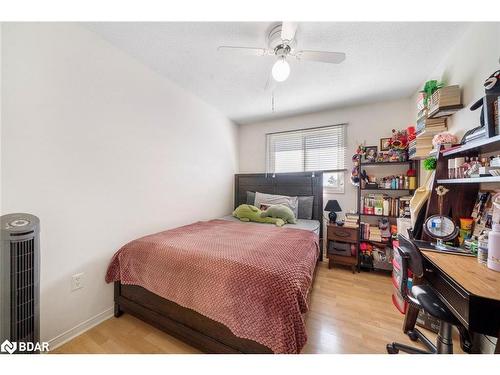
column 332, row 216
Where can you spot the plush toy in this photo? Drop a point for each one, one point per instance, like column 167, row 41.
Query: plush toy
column 280, row 211
column 355, row 160
column 246, row 212
column 398, row 145
column 491, row 87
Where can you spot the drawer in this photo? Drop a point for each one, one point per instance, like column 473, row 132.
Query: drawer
column 454, row 296
column 341, row 248
column 343, row 234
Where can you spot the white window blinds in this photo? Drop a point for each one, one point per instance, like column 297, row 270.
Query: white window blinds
column 316, row 149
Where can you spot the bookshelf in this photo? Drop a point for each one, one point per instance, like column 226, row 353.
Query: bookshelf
column 365, row 218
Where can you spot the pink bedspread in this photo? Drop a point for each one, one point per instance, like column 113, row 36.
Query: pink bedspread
column 252, row 278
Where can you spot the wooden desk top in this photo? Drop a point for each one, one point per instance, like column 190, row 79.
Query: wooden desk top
column 474, row 277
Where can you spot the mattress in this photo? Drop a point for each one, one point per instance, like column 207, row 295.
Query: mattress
column 254, row 279
column 310, row 225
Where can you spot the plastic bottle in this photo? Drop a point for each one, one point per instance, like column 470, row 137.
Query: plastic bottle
column 482, row 249
column 494, row 248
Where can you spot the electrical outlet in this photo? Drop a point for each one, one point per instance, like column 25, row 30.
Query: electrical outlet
column 77, row 281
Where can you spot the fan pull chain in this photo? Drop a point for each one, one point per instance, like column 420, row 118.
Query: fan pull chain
column 272, row 101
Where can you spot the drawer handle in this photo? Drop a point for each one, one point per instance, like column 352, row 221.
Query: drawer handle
column 430, row 270
column 341, row 234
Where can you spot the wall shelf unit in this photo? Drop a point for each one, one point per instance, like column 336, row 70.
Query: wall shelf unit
column 472, row 180
column 463, row 191
column 371, row 167
column 484, row 146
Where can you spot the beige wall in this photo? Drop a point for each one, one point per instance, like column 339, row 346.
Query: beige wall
column 366, row 124
column 103, row 150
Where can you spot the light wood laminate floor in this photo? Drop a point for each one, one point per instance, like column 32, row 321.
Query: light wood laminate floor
column 349, row 313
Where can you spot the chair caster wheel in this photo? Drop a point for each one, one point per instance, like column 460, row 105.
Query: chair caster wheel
column 391, row 349
column 412, row 335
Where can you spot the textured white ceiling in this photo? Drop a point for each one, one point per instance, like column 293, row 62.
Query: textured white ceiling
column 384, row 61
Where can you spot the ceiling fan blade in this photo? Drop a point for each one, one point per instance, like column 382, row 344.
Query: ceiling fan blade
column 321, row 56
column 288, row 30
column 244, row 51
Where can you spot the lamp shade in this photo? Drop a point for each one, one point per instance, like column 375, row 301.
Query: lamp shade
column 333, row 206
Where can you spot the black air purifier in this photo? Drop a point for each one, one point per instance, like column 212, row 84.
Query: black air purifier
column 19, row 281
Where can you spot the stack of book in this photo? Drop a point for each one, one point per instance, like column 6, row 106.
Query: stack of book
column 372, row 233
column 351, row 220
column 420, row 147
column 430, row 126
column 375, row 234
column 445, row 101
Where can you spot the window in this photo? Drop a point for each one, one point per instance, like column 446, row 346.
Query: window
column 316, row 149
column 333, row 182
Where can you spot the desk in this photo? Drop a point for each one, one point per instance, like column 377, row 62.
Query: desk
column 469, row 289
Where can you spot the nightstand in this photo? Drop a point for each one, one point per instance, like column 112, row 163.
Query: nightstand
column 339, row 241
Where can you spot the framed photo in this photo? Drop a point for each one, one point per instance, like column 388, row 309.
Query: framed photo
column 384, row 144
column 371, row 154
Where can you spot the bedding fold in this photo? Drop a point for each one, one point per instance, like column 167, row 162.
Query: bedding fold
column 252, row 278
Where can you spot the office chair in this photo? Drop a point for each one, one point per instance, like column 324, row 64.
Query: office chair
column 422, row 297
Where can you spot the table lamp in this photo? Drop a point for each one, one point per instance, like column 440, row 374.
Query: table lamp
column 333, row 206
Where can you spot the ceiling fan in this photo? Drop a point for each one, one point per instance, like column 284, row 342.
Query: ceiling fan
column 281, row 43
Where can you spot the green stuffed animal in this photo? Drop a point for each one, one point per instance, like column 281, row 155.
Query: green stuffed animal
column 280, row 211
column 246, row 212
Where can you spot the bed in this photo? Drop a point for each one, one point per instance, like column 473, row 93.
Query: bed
column 278, row 278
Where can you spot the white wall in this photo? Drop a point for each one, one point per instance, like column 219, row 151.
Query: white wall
column 103, row 150
column 366, row 124
column 469, row 62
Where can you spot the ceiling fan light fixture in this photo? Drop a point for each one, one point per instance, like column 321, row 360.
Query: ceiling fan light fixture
column 281, row 70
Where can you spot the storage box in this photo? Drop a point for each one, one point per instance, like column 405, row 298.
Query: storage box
column 398, row 300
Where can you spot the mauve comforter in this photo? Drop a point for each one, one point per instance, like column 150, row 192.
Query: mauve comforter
column 254, row 279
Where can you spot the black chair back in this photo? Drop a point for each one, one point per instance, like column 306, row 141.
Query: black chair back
column 411, row 259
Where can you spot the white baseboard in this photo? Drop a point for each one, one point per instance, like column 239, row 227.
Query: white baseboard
column 80, row 328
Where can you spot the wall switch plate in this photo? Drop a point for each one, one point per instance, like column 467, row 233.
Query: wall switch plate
column 77, row 281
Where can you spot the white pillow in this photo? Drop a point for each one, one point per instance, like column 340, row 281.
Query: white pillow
column 270, row 199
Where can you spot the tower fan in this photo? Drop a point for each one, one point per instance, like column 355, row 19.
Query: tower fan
column 19, row 279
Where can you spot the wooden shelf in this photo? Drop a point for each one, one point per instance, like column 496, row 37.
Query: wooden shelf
column 387, row 162
column 376, row 242
column 472, row 180
column 484, row 145
column 381, row 189
column 373, row 215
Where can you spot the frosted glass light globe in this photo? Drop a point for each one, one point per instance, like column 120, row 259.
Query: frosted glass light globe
column 281, row 70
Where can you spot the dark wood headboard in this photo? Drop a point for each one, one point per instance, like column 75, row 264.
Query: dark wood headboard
column 292, row 184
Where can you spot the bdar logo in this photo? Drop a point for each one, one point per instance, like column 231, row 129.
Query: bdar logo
column 8, row 347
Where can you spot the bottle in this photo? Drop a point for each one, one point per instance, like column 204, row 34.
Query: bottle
column 451, row 168
column 482, row 248
column 386, row 207
column 412, row 179
column 494, row 248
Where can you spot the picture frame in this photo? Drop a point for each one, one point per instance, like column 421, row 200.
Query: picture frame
column 384, row 144
column 371, row 154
